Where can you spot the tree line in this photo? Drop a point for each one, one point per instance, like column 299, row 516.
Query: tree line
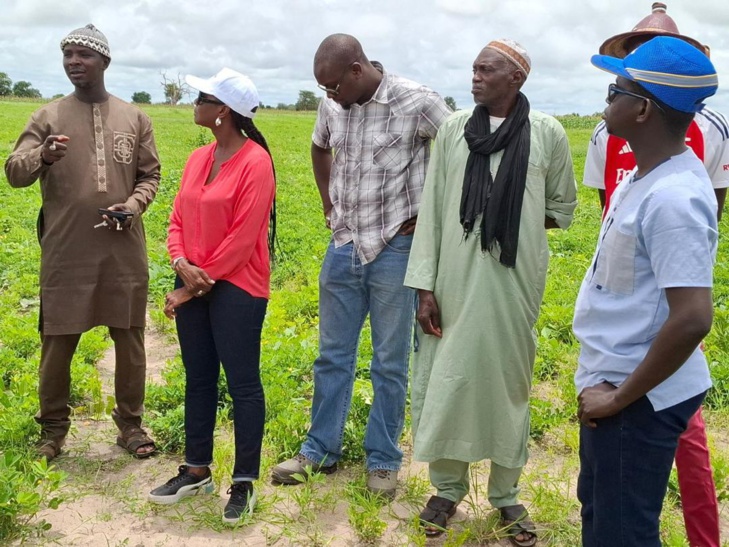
column 21, row 88
column 309, row 101
column 174, row 89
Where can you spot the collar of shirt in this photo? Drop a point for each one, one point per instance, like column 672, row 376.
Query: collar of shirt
column 381, row 95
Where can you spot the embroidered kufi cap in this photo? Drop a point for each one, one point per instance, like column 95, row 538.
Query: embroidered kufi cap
column 90, row 37
column 671, row 69
column 514, row 52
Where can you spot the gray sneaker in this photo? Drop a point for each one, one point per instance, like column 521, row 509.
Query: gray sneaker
column 285, row 471
column 382, row 482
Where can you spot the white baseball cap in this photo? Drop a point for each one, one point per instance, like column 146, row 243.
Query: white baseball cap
column 236, row 90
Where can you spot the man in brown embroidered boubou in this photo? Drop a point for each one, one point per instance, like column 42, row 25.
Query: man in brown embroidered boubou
column 90, row 151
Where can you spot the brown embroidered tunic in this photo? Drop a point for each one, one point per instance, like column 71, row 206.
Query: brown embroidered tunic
column 90, row 276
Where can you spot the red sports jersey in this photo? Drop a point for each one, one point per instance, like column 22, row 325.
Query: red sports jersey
column 610, row 159
column 619, row 159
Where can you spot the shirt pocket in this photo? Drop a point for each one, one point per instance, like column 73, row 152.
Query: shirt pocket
column 389, row 152
column 337, row 138
column 338, row 141
column 534, row 170
column 615, row 269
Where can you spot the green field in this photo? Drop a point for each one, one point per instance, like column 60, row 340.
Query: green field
column 289, row 348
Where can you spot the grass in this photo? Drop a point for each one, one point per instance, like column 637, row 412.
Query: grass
column 302, row 515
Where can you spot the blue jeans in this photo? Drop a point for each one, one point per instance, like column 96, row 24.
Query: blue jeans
column 348, row 290
column 625, row 463
column 224, row 326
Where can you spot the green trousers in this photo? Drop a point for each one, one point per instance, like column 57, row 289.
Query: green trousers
column 450, row 478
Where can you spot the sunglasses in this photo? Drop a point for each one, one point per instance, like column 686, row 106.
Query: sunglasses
column 201, row 100
column 614, row 91
column 335, row 90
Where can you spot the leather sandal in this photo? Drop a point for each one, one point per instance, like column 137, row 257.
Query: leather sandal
column 134, row 438
column 434, row 518
column 515, row 519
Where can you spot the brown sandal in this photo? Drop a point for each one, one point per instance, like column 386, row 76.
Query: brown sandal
column 515, row 518
column 134, row 438
column 49, row 448
column 434, row 518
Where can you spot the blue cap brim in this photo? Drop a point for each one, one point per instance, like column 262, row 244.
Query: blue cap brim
column 613, row 65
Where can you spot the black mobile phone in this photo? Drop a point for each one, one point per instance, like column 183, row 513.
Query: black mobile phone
column 120, row 216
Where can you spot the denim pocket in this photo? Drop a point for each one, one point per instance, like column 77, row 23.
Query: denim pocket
column 400, row 243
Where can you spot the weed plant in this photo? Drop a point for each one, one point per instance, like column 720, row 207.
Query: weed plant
column 27, row 487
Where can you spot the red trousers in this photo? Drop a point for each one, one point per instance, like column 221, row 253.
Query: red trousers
column 696, row 483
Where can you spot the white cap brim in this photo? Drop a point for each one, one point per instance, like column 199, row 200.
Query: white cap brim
column 232, row 88
column 200, row 84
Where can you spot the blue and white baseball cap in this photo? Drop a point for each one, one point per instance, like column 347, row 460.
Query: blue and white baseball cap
column 672, row 70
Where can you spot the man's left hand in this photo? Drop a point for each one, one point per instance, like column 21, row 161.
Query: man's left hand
column 407, row 227
column 119, row 207
column 597, row 402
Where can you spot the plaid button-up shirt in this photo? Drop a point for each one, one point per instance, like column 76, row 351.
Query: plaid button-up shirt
column 381, row 151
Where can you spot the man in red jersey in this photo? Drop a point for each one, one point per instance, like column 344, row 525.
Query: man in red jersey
column 609, row 159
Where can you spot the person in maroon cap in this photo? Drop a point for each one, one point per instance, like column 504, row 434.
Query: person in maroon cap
column 609, row 160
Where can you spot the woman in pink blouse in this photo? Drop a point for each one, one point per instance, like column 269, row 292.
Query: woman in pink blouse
column 220, row 236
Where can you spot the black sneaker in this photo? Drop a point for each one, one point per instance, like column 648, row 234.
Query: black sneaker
column 242, row 501
column 183, row 485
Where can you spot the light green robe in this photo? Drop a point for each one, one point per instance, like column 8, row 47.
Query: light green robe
column 470, row 389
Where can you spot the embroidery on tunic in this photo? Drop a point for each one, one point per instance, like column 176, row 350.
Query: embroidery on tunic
column 100, row 151
column 123, row 147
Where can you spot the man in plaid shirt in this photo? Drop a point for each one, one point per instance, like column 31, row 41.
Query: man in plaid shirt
column 380, row 127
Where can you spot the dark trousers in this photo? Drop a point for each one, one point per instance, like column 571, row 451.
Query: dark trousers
column 625, row 463
column 223, row 326
column 54, row 386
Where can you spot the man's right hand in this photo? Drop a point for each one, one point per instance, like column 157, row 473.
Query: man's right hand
column 428, row 313
column 328, row 216
column 54, row 149
column 196, row 280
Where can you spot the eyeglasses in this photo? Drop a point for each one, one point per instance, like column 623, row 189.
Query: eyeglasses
column 614, row 91
column 201, row 100
column 335, row 91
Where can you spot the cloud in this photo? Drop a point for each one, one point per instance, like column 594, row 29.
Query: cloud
column 273, row 41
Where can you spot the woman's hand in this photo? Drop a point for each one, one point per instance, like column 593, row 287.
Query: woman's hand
column 197, row 282
column 174, row 300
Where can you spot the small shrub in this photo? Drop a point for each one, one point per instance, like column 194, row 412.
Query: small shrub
column 168, row 429
column 27, row 487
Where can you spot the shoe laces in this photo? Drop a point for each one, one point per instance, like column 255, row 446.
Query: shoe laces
column 240, row 492
column 182, row 472
column 382, row 473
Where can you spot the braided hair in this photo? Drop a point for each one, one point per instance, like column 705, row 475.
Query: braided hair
column 245, row 125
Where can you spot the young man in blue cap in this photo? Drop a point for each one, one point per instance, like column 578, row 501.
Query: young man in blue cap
column 609, row 159
column 645, row 303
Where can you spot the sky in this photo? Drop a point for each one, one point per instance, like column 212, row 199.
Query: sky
column 433, row 42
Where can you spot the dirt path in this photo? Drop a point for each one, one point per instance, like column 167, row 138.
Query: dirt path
column 106, row 497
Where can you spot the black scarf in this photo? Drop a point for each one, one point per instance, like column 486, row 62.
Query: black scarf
column 498, row 200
